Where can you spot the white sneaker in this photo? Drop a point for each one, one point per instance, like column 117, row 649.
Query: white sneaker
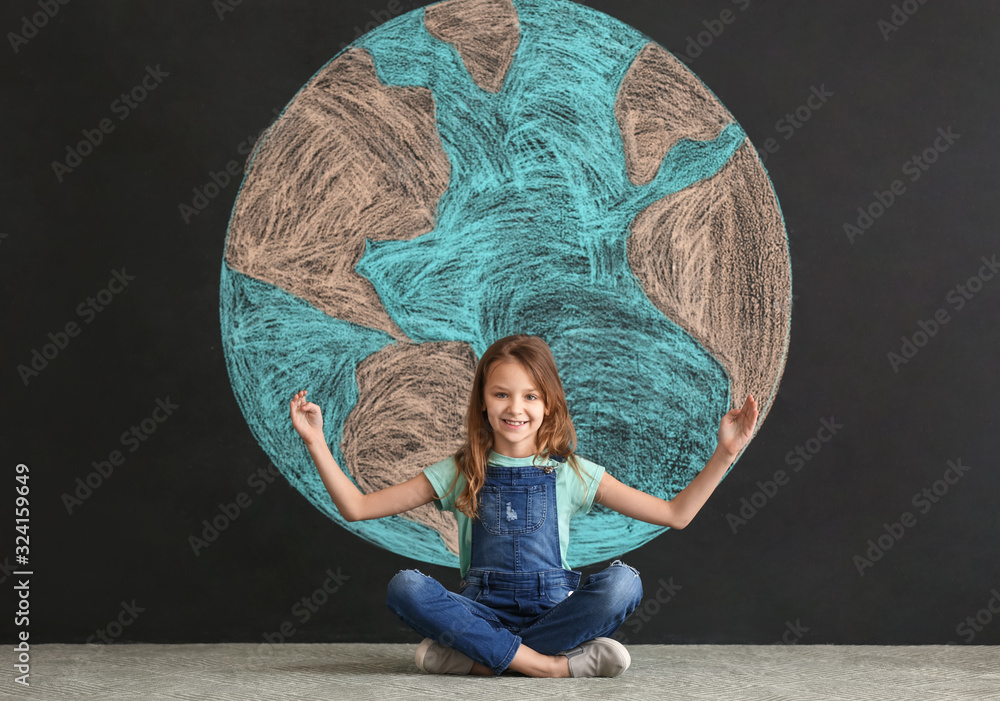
column 600, row 657
column 434, row 658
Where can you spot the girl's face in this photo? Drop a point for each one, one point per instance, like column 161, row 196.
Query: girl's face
column 510, row 395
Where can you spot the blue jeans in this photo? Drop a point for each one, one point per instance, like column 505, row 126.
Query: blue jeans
column 489, row 623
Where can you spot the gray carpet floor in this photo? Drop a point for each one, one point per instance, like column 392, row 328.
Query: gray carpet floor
column 373, row 671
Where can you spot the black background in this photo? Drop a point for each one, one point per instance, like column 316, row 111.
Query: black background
column 788, row 573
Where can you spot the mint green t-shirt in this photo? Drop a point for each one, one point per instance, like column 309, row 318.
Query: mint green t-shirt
column 573, row 497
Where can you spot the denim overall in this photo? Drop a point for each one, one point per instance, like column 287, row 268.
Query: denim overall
column 516, row 589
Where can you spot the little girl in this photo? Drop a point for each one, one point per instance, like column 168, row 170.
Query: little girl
column 519, row 605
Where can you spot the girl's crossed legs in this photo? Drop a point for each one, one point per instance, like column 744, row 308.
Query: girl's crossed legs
column 596, row 609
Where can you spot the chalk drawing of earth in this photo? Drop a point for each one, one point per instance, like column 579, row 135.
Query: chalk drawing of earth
column 480, row 168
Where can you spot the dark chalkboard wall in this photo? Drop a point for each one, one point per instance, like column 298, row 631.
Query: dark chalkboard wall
column 872, row 537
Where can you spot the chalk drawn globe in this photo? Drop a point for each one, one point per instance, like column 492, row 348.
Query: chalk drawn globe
column 479, row 168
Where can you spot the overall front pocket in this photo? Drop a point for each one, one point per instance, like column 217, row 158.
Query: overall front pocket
column 513, row 510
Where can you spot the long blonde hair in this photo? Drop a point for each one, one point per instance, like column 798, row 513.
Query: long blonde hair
column 556, row 435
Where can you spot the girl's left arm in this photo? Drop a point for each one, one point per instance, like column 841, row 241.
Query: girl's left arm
column 735, row 430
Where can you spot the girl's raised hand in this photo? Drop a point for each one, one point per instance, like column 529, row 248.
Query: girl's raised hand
column 737, row 426
column 306, row 418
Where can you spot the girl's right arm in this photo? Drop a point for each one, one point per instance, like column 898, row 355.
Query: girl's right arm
column 352, row 504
